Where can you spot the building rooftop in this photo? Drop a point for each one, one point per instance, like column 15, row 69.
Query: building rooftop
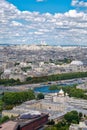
column 10, row 125
column 76, row 62
column 61, row 91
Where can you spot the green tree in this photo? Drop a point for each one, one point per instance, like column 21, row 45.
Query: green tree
column 80, row 115
column 4, row 119
column 51, row 128
column 40, row 96
column 13, row 98
column 51, row 122
column 1, row 105
column 72, row 117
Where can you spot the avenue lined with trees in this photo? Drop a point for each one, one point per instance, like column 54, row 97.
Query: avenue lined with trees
column 31, row 80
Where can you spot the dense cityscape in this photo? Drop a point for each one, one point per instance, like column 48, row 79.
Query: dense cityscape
column 22, row 70
column 22, row 61
column 43, row 65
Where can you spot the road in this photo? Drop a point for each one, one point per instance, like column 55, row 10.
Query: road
column 32, row 86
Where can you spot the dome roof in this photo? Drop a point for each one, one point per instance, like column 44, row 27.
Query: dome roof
column 76, row 62
column 7, row 71
column 61, row 91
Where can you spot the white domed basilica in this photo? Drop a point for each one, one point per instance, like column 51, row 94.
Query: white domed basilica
column 60, row 96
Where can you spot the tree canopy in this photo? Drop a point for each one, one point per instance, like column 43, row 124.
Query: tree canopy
column 40, row 96
column 11, row 98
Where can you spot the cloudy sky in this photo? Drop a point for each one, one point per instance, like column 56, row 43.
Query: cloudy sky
column 57, row 22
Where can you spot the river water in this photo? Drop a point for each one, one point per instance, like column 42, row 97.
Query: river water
column 45, row 89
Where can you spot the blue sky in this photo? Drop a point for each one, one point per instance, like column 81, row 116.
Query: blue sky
column 43, row 6
column 51, row 6
column 56, row 22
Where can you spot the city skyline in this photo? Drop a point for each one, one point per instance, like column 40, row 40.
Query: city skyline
column 35, row 21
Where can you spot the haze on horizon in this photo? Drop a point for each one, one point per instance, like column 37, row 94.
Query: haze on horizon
column 35, row 21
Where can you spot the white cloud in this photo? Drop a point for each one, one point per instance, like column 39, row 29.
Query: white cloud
column 74, row 13
column 74, row 2
column 14, row 23
column 32, row 27
column 39, row 0
column 38, row 33
column 79, row 3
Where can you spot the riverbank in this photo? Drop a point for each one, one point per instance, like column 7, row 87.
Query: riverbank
column 32, row 86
